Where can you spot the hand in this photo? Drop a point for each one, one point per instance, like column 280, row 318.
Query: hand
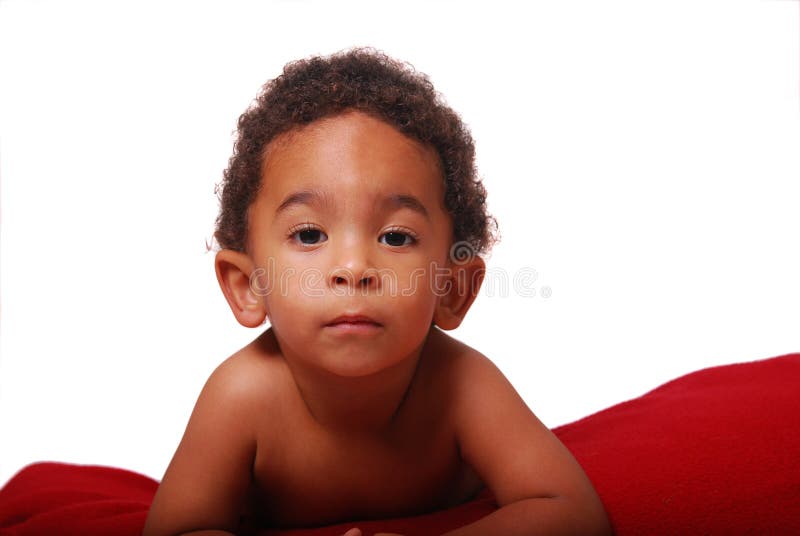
column 357, row 532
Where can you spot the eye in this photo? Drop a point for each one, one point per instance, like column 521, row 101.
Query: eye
column 308, row 236
column 397, row 239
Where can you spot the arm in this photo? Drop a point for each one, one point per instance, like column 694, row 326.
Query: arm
column 206, row 483
column 539, row 487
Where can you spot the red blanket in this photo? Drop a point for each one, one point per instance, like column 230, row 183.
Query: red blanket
column 713, row 452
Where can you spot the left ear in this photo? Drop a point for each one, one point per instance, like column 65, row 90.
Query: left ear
column 460, row 291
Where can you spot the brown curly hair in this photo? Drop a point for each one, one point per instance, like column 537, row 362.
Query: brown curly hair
column 368, row 81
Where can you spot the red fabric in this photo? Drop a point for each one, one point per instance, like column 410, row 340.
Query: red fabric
column 73, row 500
column 714, row 452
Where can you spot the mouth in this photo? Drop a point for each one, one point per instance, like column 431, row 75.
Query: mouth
column 354, row 323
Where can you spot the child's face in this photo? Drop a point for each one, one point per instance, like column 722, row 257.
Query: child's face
column 347, row 232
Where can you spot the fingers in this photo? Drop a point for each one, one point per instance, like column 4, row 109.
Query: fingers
column 357, row 532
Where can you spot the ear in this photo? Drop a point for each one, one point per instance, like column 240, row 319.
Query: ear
column 234, row 270
column 459, row 293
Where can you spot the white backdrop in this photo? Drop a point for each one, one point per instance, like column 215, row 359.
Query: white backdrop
column 642, row 158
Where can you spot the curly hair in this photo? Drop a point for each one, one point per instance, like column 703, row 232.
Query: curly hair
column 368, row 81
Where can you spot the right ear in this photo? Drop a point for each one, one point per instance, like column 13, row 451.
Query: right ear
column 234, row 270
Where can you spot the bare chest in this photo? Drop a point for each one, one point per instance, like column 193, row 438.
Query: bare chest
column 324, row 480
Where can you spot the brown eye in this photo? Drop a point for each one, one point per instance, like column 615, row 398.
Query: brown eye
column 396, row 239
column 309, row 237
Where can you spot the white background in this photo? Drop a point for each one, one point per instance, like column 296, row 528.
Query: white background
column 642, row 157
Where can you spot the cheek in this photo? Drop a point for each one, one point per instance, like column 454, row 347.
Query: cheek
column 289, row 278
column 413, row 298
column 290, row 315
column 412, row 319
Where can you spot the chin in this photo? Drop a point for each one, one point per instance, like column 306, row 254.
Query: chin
column 361, row 367
column 351, row 370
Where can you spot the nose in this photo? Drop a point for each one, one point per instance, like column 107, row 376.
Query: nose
column 342, row 277
column 353, row 269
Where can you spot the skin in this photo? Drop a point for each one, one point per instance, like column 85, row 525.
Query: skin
column 319, row 421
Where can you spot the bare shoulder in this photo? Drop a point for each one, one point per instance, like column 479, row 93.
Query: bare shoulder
column 251, row 379
column 466, row 372
column 511, row 450
column 209, row 476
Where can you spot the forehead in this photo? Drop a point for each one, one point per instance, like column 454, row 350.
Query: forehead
column 351, row 151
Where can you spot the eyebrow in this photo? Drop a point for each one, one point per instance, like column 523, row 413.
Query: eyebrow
column 303, row 197
column 407, row 201
column 316, row 197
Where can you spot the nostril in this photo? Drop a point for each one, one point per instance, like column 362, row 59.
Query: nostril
column 345, row 277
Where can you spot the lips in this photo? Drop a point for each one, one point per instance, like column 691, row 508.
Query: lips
column 349, row 325
column 355, row 320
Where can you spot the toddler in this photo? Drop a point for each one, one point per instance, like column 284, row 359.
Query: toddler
column 353, row 221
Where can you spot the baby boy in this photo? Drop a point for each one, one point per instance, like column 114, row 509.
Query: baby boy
column 352, row 219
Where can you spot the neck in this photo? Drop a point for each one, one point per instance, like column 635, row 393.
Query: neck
column 354, row 405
